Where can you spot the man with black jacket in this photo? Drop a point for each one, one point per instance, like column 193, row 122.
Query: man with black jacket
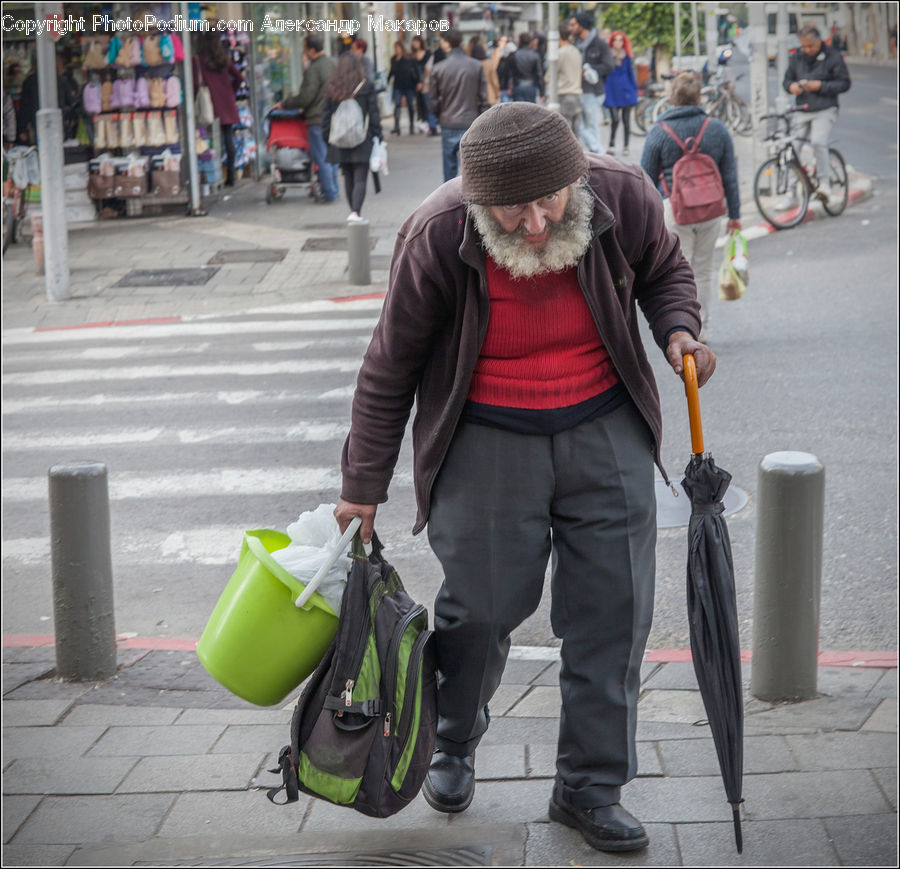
column 598, row 63
column 525, row 72
column 815, row 75
column 458, row 95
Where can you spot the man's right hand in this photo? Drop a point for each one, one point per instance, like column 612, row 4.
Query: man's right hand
column 346, row 510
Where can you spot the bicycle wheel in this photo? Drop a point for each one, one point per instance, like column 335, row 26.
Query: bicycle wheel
column 641, row 116
column 781, row 193
column 739, row 117
column 837, row 175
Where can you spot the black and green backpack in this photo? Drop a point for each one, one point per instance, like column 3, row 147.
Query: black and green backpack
column 363, row 731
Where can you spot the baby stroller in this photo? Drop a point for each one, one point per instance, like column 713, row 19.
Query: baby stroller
column 288, row 145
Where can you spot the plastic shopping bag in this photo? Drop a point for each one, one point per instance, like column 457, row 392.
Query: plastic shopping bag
column 378, row 160
column 314, row 537
column 733, row 274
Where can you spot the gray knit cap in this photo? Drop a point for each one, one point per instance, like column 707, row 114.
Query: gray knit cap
column 518, row 152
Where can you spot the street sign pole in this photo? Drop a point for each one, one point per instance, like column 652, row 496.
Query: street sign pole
column 759, row 78
column 553, row 57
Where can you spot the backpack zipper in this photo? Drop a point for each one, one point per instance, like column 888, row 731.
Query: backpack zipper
column 412, row 677
column 393, row 659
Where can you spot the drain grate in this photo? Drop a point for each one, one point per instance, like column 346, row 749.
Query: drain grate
column 331, row 242
column 250, row 255
column 470, row 856
column 166, row 277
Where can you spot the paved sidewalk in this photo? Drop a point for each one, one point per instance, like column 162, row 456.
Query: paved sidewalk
column 161, row 766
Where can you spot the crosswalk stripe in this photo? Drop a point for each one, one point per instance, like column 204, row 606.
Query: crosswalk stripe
column 159, row 436
column 15, row 337
column 146, row 372
column 232, row 397
column 133, row 485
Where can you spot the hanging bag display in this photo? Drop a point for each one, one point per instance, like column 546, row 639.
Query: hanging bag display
column 203, row 105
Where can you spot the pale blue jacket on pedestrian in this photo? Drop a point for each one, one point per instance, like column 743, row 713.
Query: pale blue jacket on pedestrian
column 621, row 85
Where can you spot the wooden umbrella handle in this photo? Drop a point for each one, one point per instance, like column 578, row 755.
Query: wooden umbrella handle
column 692, row 391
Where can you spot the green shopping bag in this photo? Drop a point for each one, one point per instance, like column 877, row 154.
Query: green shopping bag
column 734, row 274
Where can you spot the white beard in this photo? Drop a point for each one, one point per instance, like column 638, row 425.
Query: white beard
column 565, row 246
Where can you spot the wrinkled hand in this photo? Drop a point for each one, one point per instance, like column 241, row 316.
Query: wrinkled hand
column 681, row 343
column 346, row 510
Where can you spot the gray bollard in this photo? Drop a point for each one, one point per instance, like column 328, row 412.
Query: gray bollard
column 787, row 592
column 82, row 572
column 358, row 268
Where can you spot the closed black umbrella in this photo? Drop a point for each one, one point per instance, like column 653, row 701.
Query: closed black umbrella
column 712, row 607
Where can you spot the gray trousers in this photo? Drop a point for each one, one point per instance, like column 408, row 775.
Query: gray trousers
column 503, row 504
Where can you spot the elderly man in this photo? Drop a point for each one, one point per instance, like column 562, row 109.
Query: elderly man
column 511, row 320
column 815, row 75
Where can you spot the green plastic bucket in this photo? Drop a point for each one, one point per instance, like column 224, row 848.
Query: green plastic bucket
column 257, row 642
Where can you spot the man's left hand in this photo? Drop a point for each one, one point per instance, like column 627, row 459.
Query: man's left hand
column 681, row 343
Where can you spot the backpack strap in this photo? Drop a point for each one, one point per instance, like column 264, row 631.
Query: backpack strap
column 289, row 782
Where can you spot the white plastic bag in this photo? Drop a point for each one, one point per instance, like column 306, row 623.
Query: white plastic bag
column 378, row 160
column 314, row 537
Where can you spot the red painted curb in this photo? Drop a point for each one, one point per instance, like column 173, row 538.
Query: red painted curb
column 362, row 298
column 883, row 660
column 149, row 321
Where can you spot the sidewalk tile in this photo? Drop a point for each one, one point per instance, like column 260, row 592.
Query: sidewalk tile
column 552, row 844
column 262, row 738
column 508, row 802
column 671, row 707
column 15, row 810
column 88, row 819
column 247, row 813
column 766, row 843
column 505, row 699
column 16, row 674
column 281, row 717
column 698, row 756
column 147, row 741
column 22, row 713
column 500, row 762
column 886, row 685
column 887, row 779
column 541, row 760
column 324, row 817
column 219, row 772
column 845, row 712
column 884, row 718
column 678, row 800
column 539, row 702
column 510, row 731
column 110, row 716
column 843, row 750
column 524, row 672
column 831, row 793
column 867, row 841
column 66, row 775
column 37, row 855
column 49, row 742
column 841, row 681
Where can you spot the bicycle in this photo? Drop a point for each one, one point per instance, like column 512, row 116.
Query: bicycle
column 721, row 101
column 15, row 205
column 783, row 186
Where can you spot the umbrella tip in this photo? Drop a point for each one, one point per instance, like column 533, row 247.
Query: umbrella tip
column 738, row 836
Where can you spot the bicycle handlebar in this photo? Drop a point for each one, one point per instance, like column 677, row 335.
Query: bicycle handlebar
column 784, row 115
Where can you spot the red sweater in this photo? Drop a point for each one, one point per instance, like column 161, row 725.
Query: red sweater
column 542, row 349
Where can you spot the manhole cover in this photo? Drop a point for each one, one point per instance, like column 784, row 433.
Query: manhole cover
column 166, row 277
column 251, row 255
column 470, row 856
column 332, row 242
column 672, row 512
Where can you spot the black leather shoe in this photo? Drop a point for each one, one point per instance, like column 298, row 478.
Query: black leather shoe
column 450, row 783
column 606, row 828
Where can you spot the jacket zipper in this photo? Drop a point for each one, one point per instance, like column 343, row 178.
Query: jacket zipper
column 393, row 659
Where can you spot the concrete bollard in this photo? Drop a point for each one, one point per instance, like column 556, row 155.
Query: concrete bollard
column 358, row 269
column 82, row 572
column 790, row 517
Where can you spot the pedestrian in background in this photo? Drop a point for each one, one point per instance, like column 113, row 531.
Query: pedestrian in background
column 311, row 98
column 569, row 80
column 621, row 89
column 422, row 56
column 213, row 67
column 532, row 446
column 404, row 73
column 491, row 68
column 815, row 75
column 661, row 152
column 597, row 64
column 350, row 82
column 458, row 96
column 359, row 47
column 525, row 73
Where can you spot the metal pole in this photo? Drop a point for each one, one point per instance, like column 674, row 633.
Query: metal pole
column 787, row 592
column 358, row 268
column 50, row 151
column 675, row 62
column 712, row 37
column 254, row 110
column 695, row 29
column 82, row 572
column 189, row 120
column 759, row 78
column 782, row 101
column 553, row 57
